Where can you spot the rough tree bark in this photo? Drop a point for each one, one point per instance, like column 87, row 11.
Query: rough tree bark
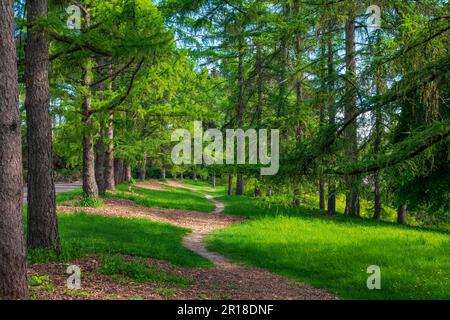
column 90, row 188
column 377, row 150
column 13, row 270
column 381, row 88
column 240, row 185
column 331, row 115
column 284, row 57
column 259, row 70
column 402, row 214
column 322, row 193
column 143, row 169
column 230, row 185
column 109, row 157
column 118, row 171
column 89, row 183
column 42, row 221
column 298, row 94
column 100, row 165
column 322, row 102
column 109, row 154
column 297, row 200
column 351, row 133
column 128, row 173
column 240, row 108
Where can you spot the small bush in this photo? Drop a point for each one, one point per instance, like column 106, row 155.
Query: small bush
column 77, row 293
column 167, row 293
column 90, row 202
column 37, row 281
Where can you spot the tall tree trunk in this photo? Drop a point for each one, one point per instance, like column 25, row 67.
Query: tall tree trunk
column 240, row 108
column 377, row 194
column 402, row 214
column 297, row 199
column 89, row 183
column 377, row 148
column 118, row 171
column 90, row 187
column 298, row 56
column 109, row 157
column 42, row 221
column 322, row 193
column 240, row 185
column 13, row 269
column 230, row 185
column 110, row 183
column 143, row 169
column 214, row 180
column 298, row 95
column 259, row 70
column 380, row 87
column 351, row 133
column 100, row 165
column 331, row 114
column 322, row 103
column 163, row 173
column 284, row 57
column 128, row 173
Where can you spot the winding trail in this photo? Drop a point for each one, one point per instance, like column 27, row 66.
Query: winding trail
column 232, row 279
column 195, row 241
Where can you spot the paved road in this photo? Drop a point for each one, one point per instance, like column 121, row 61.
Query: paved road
column 59, row 187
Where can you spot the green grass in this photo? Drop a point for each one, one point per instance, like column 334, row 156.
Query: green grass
column 90, row 202
column 327, row 252
column 171, row 198
column 136, row 269
column 83, row 234
column 334, row 253
column 69, row 195
column 167, row 293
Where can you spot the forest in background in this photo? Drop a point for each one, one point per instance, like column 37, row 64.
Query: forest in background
column 363, row 112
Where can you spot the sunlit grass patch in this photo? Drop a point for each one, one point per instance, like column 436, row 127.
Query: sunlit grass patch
column 171, row 198
column 334, row 254
column 82, row 234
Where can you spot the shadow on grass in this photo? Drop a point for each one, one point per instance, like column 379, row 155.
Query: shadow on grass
column 83, row 235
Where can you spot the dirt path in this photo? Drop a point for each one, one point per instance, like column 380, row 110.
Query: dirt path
column 227, row 280
column 195, row 241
